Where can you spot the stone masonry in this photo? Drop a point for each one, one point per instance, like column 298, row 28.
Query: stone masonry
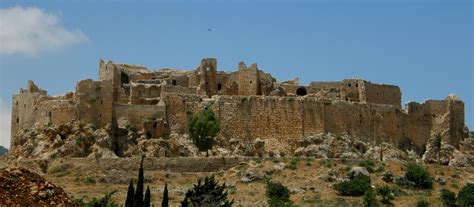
column 250, row 104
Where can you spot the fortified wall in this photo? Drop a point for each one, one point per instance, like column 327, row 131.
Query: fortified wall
column 249, row 103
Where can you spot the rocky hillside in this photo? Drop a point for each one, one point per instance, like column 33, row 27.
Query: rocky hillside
column 21, row 187
column 77, row 140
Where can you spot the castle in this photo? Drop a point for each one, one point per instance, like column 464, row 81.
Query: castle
column 250, row 104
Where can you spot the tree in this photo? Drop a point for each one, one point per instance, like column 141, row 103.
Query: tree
column 138, row 197
column 419, row 175
column 208, row 194
column 369, row 198
column 164, row 202
column 278, row 195
column 146, row 202
column 130, row 195
column 203, row 128
column 301, row 91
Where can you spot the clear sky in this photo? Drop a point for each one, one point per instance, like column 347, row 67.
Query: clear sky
column 425, row 47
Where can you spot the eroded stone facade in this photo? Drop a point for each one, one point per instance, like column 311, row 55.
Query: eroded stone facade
column 250, row 104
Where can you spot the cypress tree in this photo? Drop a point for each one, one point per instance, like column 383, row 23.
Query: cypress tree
column 138, row 199
column 146, row 202
column 164, row 202
column 130, row 195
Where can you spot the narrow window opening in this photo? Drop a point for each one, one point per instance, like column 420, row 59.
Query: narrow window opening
column 101, row 102
column 357, row 85
column 49, row 114
column 17, row 120
column 124, row 78
column 173, row 82
column 100, row 115
column 349, row 85
column 219, row 87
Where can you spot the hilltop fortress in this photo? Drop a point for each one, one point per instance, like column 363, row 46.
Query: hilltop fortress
column 249, row 103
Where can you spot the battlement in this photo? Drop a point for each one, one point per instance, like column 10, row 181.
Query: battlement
column 249, row 102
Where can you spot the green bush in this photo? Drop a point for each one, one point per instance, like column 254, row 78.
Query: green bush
column 386, row 193
column 448, row 198
column 277, row 194
column 369, row 198
column 105, row 201
column 466, row 195
column 368, row 164
column 419, row 176
column 354, row 187
column 422, row 203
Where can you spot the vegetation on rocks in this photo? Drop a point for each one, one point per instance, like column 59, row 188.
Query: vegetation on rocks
column 278, row 195
column 209, row 193
column 355, row 186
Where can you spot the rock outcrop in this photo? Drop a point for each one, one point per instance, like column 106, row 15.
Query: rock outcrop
column 21, row 187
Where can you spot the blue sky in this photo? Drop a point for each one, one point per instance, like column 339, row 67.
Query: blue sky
column 425, row 47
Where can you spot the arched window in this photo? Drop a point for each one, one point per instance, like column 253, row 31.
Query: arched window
column 301, row 91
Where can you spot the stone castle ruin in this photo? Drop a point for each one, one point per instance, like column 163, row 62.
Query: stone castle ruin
column 250, row 104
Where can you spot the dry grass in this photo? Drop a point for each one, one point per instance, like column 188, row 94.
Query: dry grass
column 302, row 177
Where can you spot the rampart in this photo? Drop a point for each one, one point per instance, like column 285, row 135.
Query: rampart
column 250, row 104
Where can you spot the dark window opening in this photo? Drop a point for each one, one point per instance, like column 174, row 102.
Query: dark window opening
column 173, row 82
column 17, row 120
column 207, row 83
column 100, row 115
column 124, row 78
column 101, row 102
column 357, row 85
column 219, row 87
column 17, row 103
column 301, row 91
column 49, row 114
column 148, row 134
column 250, row 82
column 349, row 85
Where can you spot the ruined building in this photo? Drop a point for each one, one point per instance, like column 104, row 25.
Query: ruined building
column 249, row 103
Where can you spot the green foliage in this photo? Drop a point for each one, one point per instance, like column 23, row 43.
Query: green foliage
column 466, row 195
column 294, row 163
column 356, row 186
column 368, row 164
column 369, row 198
column 165, row 200
column 422, row 203
column 130, row 195
column 419, row 176
column 326, row 162
column 89, row 180
column 277, row 194
column 105, row 201
column 448, row 198
column 146, row 201
column 386, row 193
column 208, row 194
column 138, row 196
column 203, row 128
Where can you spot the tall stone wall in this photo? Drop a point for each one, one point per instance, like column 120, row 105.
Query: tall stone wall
column 382, row 94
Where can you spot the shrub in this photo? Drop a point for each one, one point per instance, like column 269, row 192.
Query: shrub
column 419, row 176
column 203, row 128
column 388, row 176
column 386, row 193
column 354, row 187
column 294, row 163
column 448, row 198
column 106, row 200
column 208, row 194
column 369, row 198
column 368, row 164
column 422, row 203
column 277, row 194
column 466, row 195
